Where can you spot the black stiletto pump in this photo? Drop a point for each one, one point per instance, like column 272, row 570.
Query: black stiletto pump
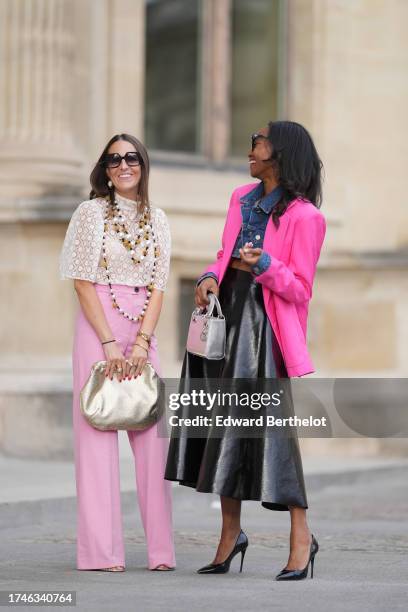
column 222, row 568
column 300, row 574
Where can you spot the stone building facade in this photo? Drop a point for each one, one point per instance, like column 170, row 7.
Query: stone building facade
column 194, row 79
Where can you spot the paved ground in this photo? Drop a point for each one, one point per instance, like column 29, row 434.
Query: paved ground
column 358, row 514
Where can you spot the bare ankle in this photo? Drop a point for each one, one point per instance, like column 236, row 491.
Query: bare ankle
column 230, row 531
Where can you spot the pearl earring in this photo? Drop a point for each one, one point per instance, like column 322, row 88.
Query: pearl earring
column 110, row 184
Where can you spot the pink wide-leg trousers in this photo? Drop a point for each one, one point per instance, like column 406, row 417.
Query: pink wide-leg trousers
column 100, row 538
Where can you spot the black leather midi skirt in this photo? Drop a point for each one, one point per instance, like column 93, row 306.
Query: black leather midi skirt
column 262, row 467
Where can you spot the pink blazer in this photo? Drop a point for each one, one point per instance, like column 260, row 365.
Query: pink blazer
column 294, row 249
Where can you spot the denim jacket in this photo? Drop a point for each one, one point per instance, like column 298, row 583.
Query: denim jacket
column 255, row 209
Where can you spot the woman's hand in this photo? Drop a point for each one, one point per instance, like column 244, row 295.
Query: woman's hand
column 208, row 285
column 250, row 255
column 116, row 361
column 137, row 359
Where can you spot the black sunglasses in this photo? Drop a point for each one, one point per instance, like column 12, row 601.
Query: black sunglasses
column 254, row 138
column 113, row 160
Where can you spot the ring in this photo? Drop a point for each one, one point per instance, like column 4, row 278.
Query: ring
column 119, row 370
column 130, row 363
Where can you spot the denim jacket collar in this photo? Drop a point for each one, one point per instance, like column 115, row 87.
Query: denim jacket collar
column 267, row 202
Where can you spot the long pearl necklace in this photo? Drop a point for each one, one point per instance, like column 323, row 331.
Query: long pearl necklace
column 144, row 231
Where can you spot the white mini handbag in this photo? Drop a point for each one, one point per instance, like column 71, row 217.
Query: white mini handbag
column 206, row 334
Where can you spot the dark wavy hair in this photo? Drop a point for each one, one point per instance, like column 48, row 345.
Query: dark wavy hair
column 297, row 163
column 99, row 178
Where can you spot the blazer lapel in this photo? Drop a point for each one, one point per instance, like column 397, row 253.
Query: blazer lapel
column 275, row 238
column 234, row 227
column 234, row 224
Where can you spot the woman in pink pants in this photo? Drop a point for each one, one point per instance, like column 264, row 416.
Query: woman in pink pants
column 117, row 250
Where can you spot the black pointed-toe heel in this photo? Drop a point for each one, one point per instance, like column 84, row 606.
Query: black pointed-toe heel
column 300, row 574
column 222, row 568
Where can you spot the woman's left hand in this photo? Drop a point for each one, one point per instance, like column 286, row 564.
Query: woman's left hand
column 138, row 358
column 250, row 255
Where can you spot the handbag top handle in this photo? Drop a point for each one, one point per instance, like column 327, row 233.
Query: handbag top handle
column 213, row 302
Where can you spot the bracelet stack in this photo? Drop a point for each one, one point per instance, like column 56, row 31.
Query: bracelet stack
column 145, row 336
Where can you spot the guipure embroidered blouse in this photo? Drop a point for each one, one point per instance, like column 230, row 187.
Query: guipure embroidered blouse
column 81, row 256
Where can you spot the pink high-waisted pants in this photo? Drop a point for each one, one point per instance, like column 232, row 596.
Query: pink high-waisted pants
column 100, row 538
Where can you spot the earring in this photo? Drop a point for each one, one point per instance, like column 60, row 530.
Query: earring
column 110, row 184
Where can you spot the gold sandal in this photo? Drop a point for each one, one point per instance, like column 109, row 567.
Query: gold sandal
column 115, row 568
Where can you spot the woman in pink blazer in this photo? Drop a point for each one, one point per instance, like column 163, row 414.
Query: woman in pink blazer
column 263, row 276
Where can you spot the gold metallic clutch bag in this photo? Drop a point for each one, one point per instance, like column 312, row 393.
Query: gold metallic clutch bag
column 134, row 404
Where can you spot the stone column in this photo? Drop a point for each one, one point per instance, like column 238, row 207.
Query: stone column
column 40, row 182
column 38, row 155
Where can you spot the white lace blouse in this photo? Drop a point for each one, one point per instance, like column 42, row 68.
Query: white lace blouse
column 81, row 255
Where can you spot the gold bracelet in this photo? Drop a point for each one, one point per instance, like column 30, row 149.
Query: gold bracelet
column 145, row 336
column 141, row 346
column 135, row 342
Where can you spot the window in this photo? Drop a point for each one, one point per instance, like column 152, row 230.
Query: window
column 255, row 69
column 172, row 74
column 213, row 74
